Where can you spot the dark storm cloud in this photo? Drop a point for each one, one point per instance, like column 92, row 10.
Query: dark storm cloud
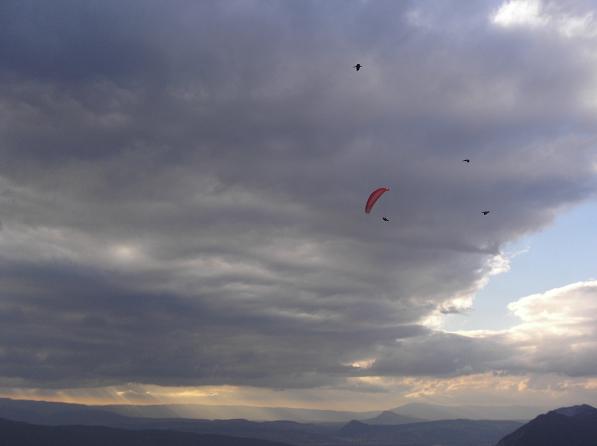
column 183, row 184
column 442, row 354
column 83, row 328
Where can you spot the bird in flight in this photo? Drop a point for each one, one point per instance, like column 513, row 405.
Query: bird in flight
column 357, row 66
column 466, row 160
column 385, row 218
column 485, row 212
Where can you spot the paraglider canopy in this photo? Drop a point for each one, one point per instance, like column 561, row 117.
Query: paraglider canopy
column 375, row 195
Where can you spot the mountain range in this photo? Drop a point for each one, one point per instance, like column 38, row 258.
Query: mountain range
column 48, row 412
column 424, row 411
column 391, row 418
column 381, row 430
column 411, row 412
column 567, row 426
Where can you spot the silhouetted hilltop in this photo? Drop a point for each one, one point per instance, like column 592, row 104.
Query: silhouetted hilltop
column 15, row 433
column 576, row 411
column 567, row 426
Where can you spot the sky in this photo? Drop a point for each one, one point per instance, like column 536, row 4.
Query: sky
column 182, row 187
column 560, row 254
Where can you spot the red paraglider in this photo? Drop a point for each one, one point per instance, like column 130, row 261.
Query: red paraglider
column 375, row 195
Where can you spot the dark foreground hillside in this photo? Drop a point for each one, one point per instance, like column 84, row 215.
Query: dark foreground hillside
column 14, row 433
column 568, row 426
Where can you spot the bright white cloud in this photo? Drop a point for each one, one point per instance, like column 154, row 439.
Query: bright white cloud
column 573, row 26
column 520, row 12
column 566, row 312
column 556, row 334
column 536, row 14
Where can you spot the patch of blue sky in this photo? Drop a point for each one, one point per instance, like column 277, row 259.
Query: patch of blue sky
column 563, row 253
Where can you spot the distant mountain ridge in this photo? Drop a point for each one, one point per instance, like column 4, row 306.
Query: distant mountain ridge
column 391, row 418
column 567, row 426
column 355, row 433
column 45, row 412
column 416, row 411
column 48, row 411
column 60, row 414
column 432, row 412
column 214, row 412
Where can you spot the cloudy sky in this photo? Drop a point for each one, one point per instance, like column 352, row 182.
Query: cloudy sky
column 182, row 187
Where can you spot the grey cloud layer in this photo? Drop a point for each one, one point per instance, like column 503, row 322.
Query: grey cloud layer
column 183, row 184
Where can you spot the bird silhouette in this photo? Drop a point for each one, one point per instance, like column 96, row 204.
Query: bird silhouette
column 385, row 218
column 357, row 66
column 485, row 212
column 466, row 160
